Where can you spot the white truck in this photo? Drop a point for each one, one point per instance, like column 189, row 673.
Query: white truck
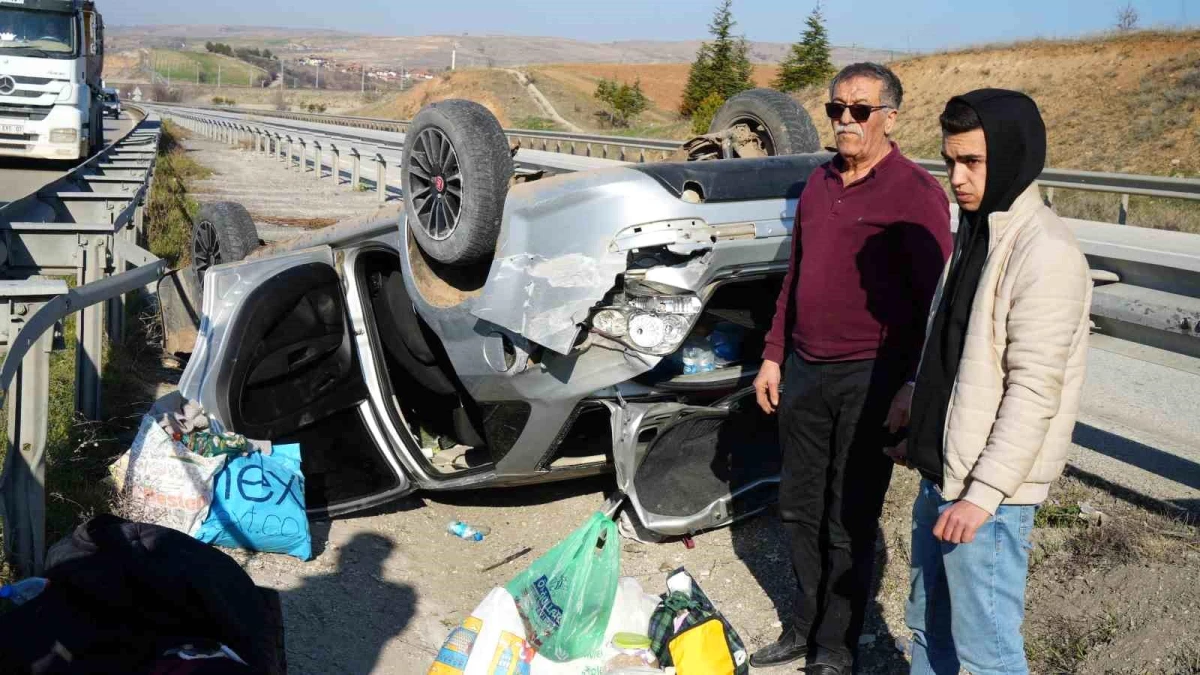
column 51, row 62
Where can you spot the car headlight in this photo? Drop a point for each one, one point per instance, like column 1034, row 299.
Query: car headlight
column 654, row 325
column 64, row 135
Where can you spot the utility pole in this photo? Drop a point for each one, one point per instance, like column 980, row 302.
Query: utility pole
column 363, row 86
column 453, row 55
column 197, row 74
column 218, row 76
column 317, row 85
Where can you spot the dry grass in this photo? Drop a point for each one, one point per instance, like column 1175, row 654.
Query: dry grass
column 1115, row 103
column 1063, row 650
column 497, row 90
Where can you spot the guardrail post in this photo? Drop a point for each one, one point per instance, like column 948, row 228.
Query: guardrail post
column 115, row 308
column 89, row 338
column 302, row 165
column 355, row 168
column 381, row 178
column 1123, row 214
column 316, row 160
column 278, row 146
column 24, row 488
column 336, row 171
column 287, row 162
column 1050, row 198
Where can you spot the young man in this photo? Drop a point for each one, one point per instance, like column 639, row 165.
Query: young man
column 870, row 239
column 997, row 391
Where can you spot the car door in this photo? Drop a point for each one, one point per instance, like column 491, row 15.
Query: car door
column 687, row 468
column 275, row 360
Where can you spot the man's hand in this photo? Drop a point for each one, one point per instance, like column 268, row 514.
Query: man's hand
column 957, row 524
column 766, row 386
column 899, row 454
column 898, row 414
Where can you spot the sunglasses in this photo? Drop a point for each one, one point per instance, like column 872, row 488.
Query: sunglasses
column 860, row 112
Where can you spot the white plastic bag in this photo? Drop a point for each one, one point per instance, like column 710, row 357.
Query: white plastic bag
column 161, row 482
column 630, row 614
column 491, row 641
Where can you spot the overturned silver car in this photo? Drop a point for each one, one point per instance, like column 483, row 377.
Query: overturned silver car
column 516, row 327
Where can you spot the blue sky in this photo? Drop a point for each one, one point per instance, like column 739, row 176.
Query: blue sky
column 894, row 24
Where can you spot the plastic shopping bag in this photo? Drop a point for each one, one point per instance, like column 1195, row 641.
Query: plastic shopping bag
column 161, row 482
column 631, row 612
column 258, row 504
column 566, row 596
column 491, row 641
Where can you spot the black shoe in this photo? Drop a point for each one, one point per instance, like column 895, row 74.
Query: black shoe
column 823, row 669
column 789, row 647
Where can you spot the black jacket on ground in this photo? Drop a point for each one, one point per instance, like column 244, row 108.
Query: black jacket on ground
column 122, row 593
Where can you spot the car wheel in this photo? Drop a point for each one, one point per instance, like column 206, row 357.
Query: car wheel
column 781, row 124
column 223, row 232
column 455, row 172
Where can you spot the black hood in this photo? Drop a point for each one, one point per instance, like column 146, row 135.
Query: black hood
column 1016, row 145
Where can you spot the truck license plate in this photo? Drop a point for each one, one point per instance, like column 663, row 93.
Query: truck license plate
column 12, row 128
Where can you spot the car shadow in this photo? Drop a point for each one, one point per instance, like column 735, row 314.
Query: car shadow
column 321, row 637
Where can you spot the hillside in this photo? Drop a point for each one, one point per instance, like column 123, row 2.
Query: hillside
column 433, row 51
column 1125, row 104
column 182, row 67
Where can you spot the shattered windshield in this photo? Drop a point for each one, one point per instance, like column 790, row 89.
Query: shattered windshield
column 29, row 33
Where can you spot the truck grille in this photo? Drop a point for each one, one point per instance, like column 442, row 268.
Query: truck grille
column 22, row 79
column 24, row 112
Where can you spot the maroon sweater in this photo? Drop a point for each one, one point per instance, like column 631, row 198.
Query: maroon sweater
column 866, row 259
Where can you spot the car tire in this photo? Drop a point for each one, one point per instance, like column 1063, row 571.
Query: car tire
column 223, row 232
column 782, row 124
column 455, row 173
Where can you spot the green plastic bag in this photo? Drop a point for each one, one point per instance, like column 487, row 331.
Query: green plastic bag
column 566, row 596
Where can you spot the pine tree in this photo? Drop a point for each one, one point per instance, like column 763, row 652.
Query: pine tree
column 721, row 67
column 808, row 63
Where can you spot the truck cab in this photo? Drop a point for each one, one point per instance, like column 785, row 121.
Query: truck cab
column 51, row 60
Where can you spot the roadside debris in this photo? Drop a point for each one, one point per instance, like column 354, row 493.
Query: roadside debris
column 519, row 554
column 468, row 532
column 571, row 612
column 185, row 473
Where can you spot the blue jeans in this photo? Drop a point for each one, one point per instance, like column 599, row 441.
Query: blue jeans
column 966, row 602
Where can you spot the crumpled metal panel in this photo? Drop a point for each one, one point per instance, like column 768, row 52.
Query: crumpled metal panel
column 553, row 262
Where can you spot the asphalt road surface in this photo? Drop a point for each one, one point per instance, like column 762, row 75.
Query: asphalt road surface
column 19, row 177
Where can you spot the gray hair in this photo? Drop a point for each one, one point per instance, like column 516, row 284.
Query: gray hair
column 891, row 95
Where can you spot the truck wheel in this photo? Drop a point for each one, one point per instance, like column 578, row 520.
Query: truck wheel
column 223, row 232
column 454, row 174
column 781, row 124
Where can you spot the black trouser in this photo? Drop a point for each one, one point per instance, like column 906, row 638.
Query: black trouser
column 835, row 476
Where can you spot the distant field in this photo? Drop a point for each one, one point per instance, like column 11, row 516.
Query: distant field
column 187, row 66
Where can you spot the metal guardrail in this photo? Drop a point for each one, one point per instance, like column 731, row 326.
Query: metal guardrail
column 88, row 224
column 650, row 150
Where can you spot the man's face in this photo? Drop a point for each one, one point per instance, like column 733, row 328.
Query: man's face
column 862, row 140
column 966, row 162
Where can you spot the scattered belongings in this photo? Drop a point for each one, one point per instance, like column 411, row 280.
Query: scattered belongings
column 184, row 472
column 570, row 612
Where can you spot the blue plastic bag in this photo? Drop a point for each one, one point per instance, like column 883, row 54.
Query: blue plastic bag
column 258, row 505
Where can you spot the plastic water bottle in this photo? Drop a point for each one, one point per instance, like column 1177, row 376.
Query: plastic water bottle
column 691, row 360
column 24, row 590
column 465, row 531
column 705, row 361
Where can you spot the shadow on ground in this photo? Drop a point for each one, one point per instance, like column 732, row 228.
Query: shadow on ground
column 322, row 637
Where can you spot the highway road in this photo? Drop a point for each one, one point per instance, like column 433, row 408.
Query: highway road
column 19, row 177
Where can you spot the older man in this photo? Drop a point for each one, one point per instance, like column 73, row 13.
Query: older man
column 871, row 236
column 998, row 390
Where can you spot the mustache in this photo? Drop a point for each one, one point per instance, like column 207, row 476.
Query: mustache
column 855, row 129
